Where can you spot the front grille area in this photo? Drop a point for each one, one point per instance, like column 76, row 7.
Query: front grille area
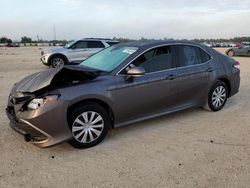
column 22, row 99
column 23, row 128
column 35, row 135
column 17, row 100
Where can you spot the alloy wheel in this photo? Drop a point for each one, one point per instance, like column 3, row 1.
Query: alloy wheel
column 231, row 53
column 57, row 62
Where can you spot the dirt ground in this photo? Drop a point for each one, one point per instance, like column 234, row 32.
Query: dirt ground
column 194, row 148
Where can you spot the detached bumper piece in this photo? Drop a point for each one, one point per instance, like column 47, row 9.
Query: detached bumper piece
column 27, row 130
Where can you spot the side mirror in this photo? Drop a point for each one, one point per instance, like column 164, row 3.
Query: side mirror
column 135, row 72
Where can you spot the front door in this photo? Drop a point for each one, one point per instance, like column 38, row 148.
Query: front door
column 79, row 51
column 148, row 95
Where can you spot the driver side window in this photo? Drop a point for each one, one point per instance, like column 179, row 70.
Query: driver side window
column 80, row 44
column 154, row 60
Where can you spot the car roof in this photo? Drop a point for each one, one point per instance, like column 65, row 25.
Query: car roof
column 99, row 39
column 154, row 43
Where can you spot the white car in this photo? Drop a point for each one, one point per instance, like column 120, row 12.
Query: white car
column 74, row 51
column 208, row 44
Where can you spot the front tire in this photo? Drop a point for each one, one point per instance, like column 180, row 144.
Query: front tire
column 231, row 53
column 217, row 97
column 89, row 124
column 57, row 62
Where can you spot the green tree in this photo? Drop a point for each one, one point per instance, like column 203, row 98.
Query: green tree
column 5, row 40
column 25, row 39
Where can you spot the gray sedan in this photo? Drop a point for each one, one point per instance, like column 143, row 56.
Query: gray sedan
column 120, row 85
column 243, row 50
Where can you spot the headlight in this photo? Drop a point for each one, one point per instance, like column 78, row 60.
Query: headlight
column 38, row 102
column 45, row 56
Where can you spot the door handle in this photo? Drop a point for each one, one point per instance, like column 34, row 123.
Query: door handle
column 210, row 70
column 171, row 77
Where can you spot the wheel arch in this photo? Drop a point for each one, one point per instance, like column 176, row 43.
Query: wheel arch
column 59, row 55
column 105, row 105
column 227, row 82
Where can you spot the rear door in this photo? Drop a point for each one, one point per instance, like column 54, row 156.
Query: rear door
column 194, row 67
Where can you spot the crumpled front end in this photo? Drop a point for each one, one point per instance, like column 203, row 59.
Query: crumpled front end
column 44, row 126
column 38, row 110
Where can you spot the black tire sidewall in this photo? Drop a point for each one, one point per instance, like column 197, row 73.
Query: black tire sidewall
column 210, row 103
column 89, row 107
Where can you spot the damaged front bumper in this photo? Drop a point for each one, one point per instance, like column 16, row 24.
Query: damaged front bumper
column 45, row 59
column 43, row 127
column 29, row 131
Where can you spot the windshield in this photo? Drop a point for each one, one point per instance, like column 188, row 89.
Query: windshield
column 109, row 58
column 69, row 43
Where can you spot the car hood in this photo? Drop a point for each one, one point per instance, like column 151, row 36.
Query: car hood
column 54, row 50
column 55, row 78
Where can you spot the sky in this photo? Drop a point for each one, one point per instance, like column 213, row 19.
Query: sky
column 74, row 19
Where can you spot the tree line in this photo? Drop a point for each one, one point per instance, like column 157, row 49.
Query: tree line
column 235, row 39
column 24, row 39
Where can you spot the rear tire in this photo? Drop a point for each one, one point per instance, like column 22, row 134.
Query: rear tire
column 217, row 97
column 89, row 124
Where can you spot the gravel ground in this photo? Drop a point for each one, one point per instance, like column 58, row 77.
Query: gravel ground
column 194, row 148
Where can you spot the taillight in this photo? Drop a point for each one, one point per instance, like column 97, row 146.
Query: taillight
column 236, row 65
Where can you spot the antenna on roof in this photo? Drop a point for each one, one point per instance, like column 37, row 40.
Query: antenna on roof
column 54, row 31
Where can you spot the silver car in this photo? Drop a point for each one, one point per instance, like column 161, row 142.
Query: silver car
column 74, row 51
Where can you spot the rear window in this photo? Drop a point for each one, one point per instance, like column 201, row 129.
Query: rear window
column 95, row 44
column 190, row 55
column 112, row 43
